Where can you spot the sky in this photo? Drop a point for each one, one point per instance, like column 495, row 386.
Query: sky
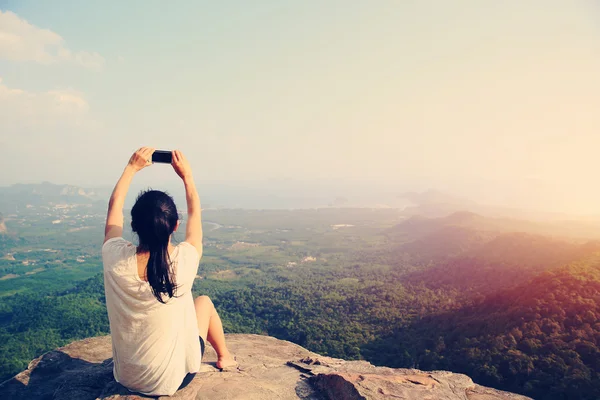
column 495, row 101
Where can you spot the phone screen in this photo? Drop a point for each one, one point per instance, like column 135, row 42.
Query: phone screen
column 162, row 156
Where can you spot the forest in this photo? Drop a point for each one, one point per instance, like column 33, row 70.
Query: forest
column 513, row 310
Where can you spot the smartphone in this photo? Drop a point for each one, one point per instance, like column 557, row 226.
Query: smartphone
column 162, row 156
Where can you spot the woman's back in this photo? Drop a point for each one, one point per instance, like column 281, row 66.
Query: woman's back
column 154, row 344
column 158, row 329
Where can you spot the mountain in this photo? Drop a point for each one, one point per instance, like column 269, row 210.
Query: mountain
column 443, row 244
column 433, row 240
column 418, row 226
column 49, row 190
column 504, row 261
column 269, row 369
column 540, row 337
column 434, row 204
column 20, row 195
column 471, row 254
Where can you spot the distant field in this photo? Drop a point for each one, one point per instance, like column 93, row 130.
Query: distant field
column 69, row 251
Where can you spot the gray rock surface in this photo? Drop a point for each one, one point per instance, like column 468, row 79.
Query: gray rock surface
column 269, row 369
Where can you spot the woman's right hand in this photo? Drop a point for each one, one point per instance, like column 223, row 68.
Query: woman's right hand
column 141, row 158
column 181, row 165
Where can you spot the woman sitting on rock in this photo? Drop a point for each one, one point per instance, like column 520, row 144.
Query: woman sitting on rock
column 158, row 329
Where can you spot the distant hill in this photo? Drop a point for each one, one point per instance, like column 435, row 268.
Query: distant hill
column 433, row 203
column 540, row 337
column 444, row 244
column 531, row 249
column 436, row 204
column 472, row 255
column 418, row 226
column 49, row 191
column 505, row 261
column 20, row 195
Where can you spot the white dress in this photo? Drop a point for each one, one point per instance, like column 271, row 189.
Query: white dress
column 154, row 345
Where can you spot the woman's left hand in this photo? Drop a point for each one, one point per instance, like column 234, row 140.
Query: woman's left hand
column 141, row 158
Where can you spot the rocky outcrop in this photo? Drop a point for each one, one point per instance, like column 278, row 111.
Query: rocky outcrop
column 2, row 225
column 269, row 369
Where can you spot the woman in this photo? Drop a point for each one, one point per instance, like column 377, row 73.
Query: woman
column 158, row 329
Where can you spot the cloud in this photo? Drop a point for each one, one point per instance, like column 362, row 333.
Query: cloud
column 33, row 113
column 21, row 41
column 48, row 135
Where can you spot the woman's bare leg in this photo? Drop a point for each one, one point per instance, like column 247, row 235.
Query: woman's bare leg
column 210, row 329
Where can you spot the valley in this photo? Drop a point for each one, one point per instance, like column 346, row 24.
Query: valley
column 512, row 303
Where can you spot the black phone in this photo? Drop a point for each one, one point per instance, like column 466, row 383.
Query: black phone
column 162, row 156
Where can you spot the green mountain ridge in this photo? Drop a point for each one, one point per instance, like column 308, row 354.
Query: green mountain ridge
column 540, row 338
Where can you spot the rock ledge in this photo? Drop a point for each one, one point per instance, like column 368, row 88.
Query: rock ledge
column 269, row 369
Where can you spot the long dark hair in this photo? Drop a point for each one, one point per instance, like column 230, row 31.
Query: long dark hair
column 154, row 218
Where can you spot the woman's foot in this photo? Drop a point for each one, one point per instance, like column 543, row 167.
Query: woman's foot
column 227, row 361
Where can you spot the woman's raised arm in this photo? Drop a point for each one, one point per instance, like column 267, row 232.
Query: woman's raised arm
column 114, row 218
column 193, row 231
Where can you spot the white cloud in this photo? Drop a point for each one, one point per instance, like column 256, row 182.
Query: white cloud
column 48, row 135
column 21, row 41
column 36, row 112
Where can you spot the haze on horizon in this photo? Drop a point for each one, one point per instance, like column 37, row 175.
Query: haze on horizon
column 494, row 101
